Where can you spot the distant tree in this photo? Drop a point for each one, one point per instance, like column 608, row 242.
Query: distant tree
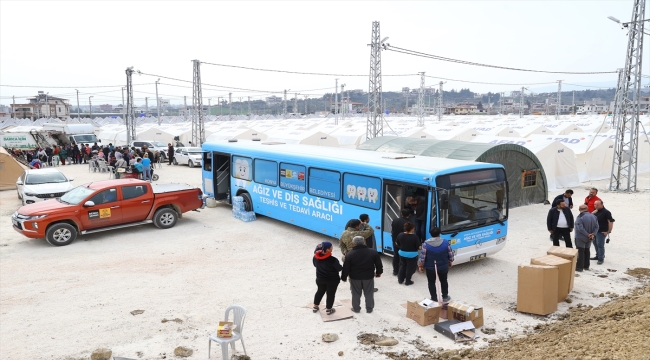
column 479, row 106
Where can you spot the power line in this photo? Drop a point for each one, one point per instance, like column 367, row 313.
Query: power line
column 488, row 83
column 464, row 62
column 297, row 72
column 587, row 86
column 69, row 87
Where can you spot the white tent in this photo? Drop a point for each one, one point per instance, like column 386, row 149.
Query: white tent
column 294, row 136
column 497, row 130
column 236, row 133
column 350, row 135
column 558, row 161
column 593, row 154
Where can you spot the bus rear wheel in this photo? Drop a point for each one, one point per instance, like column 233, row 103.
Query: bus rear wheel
column 248, row 201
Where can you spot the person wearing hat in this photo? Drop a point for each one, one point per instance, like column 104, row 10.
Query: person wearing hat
column 327, row 276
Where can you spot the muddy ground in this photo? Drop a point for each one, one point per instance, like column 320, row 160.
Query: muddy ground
column 615, row 330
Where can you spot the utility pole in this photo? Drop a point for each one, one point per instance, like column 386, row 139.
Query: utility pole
column 250, row 113
column 78, row 111
column 130, row 113
column 123, row 106
column 573, row 103
column 626, row 114
column 336, row 102
column 440, row 107
column 295, row 103
column 406, row 105
column 284, row 109
column 158, row 101
column 220, row 107
column 421, row 101
column 521, row 103
column 306, row 96
column 184, row 108
column 229, row 106
column 13, row 108
column 559, row 100
column 198, row 131
column 146, row 107
column 209, row 106
column 91, row 106
column 343, row 102
column 501, row 103
column 375, row 122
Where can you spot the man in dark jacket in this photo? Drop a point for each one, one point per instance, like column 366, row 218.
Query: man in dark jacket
column 327, row 276
column 586, row 226
column 566, row 197
column 605, row 226
column 397, row 227
column 362, row 264
column 559, row 222
column 170, row 153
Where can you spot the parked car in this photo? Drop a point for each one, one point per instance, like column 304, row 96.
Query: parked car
column 106, row 205
column 151, row 145
column 192, row 156
column 42, row 184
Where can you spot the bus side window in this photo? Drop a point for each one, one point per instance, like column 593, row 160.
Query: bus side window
column 241, row 167
column 362, row 190
column 265, row 172
column 292, row 177
column 325, row 183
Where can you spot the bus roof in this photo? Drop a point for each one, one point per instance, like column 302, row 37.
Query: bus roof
column 425, row 166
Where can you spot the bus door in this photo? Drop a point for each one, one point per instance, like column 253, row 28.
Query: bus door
column 221, row 176
column 395, row 199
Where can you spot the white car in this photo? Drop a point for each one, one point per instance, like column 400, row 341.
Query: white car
column 42, row 184
column 192, row 156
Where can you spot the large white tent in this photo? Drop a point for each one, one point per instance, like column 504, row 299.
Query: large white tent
column 558, row 160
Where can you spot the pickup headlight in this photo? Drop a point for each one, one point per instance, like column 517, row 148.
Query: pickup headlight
column 30, row 194
column 36, row 217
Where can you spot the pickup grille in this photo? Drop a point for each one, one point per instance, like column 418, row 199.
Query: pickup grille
column 50, row 196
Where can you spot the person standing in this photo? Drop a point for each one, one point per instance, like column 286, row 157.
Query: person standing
column 170, row 153
column 354, row 228
column 591, row 199
column 327, row 276
column 418, row 205
column 586, row 227
column 63, row 155
column 146, row 168
column 75, row 154
column 409, row 244
column 370, row 241
column 605, row 226
column 437, row 256
column 559, row 222
column 566, row 196
column 397, row 227
column 362, row 265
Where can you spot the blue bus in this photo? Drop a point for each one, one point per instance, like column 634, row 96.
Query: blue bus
column 322, row 188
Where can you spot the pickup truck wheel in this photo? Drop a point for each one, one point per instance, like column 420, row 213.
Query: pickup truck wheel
column 248, row 202
column 165, row 218
column 60, row 234
column 175, row 162
column 18, row 193
column 190, row 163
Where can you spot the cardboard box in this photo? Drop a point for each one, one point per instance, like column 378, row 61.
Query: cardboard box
column 566, row 253
column 225, row 329
column 423, row 315
column 457, row 330
column 537, row 289
column 465, row 312
column 565, row 272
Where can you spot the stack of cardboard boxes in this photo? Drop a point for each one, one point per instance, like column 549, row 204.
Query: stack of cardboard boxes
column 459, row 323
column 546, row 281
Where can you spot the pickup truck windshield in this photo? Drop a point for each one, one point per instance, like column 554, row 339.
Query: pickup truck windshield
column 76, row 195
column 159, row 144
column 49, row 178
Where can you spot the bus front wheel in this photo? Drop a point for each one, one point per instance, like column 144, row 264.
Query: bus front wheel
column 248, row 201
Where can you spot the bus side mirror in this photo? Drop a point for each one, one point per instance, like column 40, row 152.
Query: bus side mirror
column 444, row 201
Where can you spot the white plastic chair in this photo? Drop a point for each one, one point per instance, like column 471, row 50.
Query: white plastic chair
column 239, row 316
column 111, row 171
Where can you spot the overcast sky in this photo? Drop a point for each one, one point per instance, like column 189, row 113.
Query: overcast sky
column 52, row 45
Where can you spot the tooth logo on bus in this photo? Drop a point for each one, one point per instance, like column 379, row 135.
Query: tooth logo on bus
column 361, row 193
column 352, row 191
column 372, row 195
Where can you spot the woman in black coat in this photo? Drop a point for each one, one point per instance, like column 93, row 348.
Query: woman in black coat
column 327, row 276
column 409, row 246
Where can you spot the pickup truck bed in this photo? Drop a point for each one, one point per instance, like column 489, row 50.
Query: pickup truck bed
column 106, row 205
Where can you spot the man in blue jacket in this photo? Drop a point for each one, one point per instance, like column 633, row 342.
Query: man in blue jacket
column 559, row 222
column 436, row 255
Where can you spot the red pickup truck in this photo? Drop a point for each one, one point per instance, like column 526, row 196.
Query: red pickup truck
column 106, row 205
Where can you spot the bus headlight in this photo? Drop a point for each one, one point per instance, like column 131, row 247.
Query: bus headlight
column 500, row 240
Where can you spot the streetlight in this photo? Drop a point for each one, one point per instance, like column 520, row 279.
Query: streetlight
column 158, row 100
column 209, row 106
column 624, row 25
column 91, row 107
column 47, row 104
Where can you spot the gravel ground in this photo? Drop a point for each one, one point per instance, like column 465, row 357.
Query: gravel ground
column 62, row 303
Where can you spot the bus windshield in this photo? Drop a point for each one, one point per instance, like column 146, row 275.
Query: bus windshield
column 470, row 206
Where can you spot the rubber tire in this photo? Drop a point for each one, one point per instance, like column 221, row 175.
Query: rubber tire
column 155, row 177
column 248, row 201
column 174, row 161
column 64, row 227
column 165, row 218
column 18, row 193
column 190, row 163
